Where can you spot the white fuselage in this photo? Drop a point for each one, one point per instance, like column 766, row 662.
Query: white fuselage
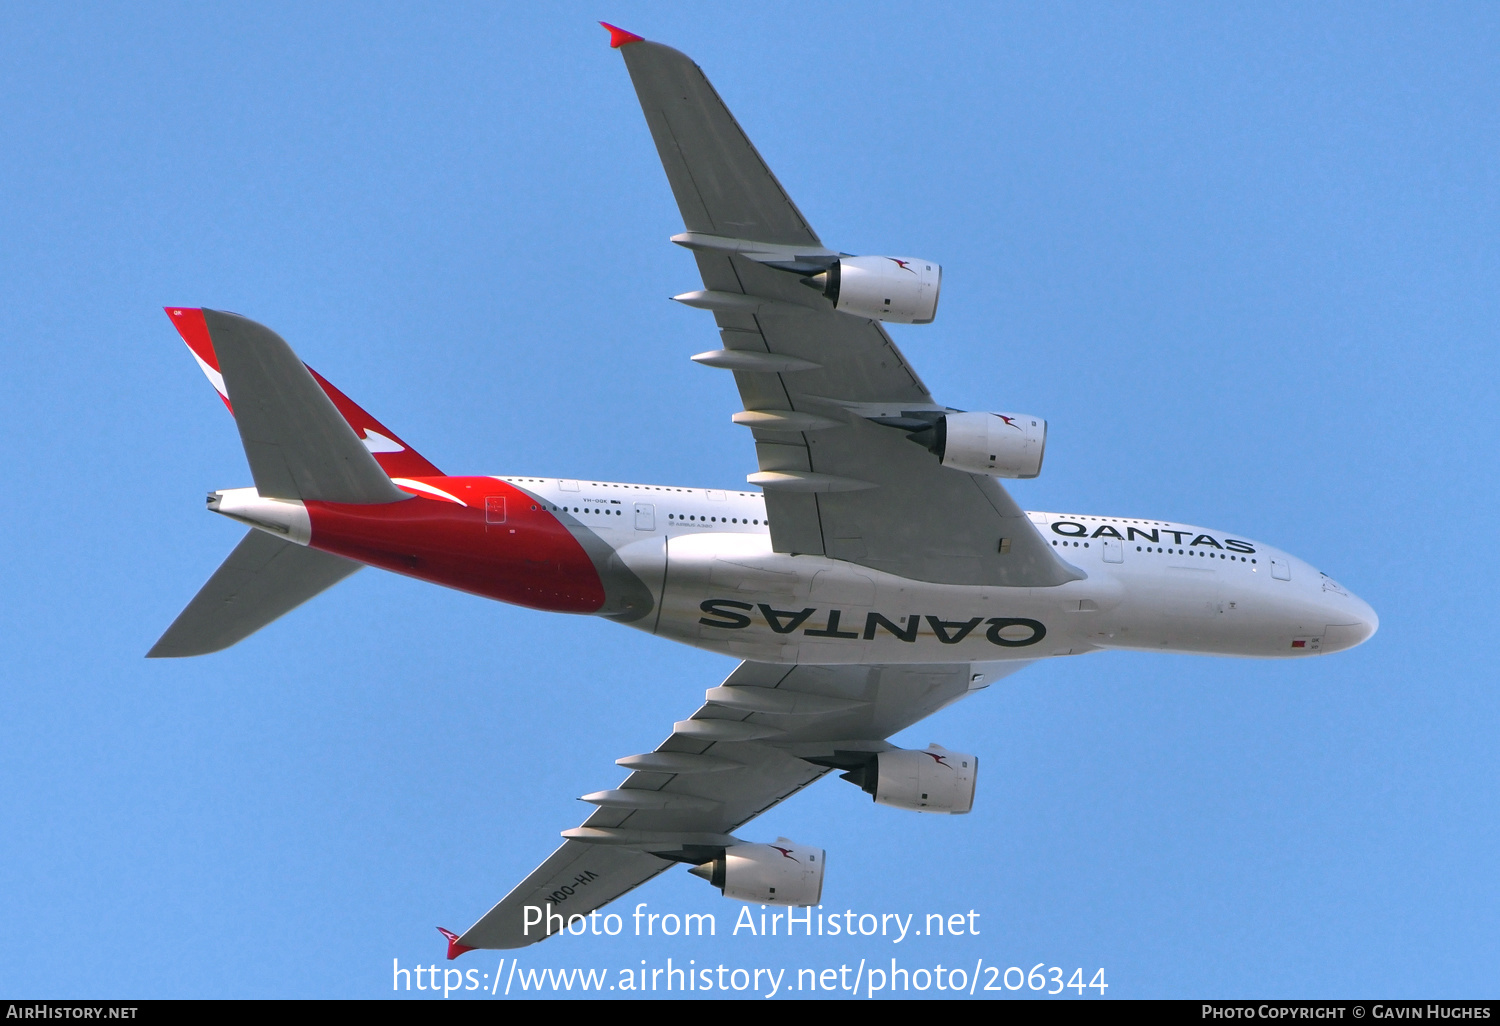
column 1154, row 585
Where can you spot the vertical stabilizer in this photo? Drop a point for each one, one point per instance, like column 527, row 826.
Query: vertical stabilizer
column 298, row 444
column 395, row 456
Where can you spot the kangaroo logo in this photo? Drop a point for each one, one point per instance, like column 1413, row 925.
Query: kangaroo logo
column 941, row 760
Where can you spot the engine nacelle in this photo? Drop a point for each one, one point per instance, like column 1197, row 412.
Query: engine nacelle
column 998, row 444
column 902, row 290
column 784, row 873
column 930, row 780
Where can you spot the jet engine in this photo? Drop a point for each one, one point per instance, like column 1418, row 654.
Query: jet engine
column 930, row 780
column 902, row 290
column 998, row 444
column 784, row 873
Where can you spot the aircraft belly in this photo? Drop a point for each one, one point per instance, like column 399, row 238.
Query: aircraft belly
column 731, row 594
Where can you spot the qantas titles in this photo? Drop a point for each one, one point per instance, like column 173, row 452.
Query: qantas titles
column 1005, row 631
column 1073, row 529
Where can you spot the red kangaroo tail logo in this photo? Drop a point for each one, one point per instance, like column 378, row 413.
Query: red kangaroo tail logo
column 1009, row 420
column 902, row 264
column 941, row 760
column 786, row 853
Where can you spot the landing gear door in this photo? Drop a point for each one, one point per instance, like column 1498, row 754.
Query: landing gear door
column 645, row 516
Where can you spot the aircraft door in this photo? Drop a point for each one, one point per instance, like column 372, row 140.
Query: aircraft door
column 645, row 516
column 1114, row 550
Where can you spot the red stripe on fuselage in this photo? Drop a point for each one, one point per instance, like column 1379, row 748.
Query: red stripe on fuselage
column 531, row 559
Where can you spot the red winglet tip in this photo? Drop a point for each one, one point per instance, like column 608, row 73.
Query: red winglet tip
column 454, row 947
column 618, row 37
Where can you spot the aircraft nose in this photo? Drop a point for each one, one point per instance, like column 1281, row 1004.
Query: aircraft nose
column 1351, row 622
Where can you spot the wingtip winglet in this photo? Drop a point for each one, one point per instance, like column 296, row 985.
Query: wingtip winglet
column 454, row 947
column 618, row 37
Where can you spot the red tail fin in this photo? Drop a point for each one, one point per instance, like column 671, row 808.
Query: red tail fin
column 395, row 457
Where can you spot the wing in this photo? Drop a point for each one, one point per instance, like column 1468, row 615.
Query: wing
column 837, row 482
column 750, row 746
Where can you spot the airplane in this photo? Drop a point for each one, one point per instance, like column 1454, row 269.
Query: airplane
column 877, row 573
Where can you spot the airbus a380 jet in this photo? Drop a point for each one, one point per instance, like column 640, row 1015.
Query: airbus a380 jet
column 879, row 573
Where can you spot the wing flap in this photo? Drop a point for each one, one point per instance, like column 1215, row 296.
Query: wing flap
column 922, row 520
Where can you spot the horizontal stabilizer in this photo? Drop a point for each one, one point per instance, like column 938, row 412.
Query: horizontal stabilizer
column 298, row 443
column 263, row 578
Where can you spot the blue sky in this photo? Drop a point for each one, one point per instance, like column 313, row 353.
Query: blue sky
column 1242, row 258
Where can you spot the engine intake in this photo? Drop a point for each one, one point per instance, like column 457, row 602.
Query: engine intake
column 998, row 444
column 929, row 780
column 902, row 290
column 784, row 873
